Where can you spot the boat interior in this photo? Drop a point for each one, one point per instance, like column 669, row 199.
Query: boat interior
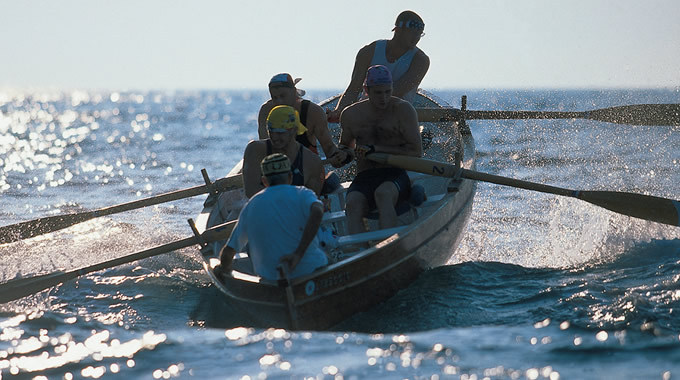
column 441, row 140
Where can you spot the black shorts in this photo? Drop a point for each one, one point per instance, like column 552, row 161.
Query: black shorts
column 368, row 180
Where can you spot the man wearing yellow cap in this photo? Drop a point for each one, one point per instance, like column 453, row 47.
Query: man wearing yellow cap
column 283, row 92
column 283, row 124
column 278, row 225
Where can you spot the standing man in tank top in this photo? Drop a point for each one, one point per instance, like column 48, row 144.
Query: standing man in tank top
column 407, row 63
column 283, row 92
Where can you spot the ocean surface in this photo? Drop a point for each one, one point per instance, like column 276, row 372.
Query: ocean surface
column 542, row 287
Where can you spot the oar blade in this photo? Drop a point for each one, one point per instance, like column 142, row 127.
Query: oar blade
column 22, row 287
column 32, row 228
column 647, row 207
column 639, row 114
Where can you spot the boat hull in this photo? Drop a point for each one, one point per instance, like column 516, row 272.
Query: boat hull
column 330, row 295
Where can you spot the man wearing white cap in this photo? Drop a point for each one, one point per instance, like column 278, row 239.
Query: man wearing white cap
column 278, row 225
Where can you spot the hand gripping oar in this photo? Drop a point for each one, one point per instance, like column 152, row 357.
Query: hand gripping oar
column 31, row 228
column 647, row 207
column 639, row 114
column 22, row 287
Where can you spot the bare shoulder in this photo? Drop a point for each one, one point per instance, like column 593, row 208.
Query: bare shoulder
column 310, row 156
column 316, row 110
column 354, row 110
column 421, row 55
column 367, row 50
column 404, row 108
column 266, row 107
column 364, row 57
column 255, row 147
column 401, row 104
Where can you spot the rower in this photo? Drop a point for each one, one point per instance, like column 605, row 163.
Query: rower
column 407, row 63
column 283, row 124
column 283, row 91
column 382, row 123
column 278, row 225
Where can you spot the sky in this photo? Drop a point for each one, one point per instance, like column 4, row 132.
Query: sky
column 200, row 44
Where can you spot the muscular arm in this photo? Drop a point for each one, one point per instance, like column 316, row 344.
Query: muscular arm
column 347, row 142
column 252, row 175
column 356, row 83
column 313, row 171
column 262, row 120
column 316, row 121
column 413, row 76
column 227, row 258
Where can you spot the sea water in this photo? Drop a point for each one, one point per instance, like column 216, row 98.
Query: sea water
column 542, row 287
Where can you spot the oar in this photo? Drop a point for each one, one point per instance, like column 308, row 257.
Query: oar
column 25, row 230
column 647, row 207
column 22, row 287
column 639, row 114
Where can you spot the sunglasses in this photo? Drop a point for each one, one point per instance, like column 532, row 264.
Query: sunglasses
column 412, row 24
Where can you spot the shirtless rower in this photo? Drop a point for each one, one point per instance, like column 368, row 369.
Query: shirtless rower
column 382, row 123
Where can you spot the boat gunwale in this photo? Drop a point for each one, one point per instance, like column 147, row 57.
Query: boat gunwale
column 276, row 294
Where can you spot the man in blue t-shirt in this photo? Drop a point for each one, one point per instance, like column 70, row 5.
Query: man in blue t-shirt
column 279, row 225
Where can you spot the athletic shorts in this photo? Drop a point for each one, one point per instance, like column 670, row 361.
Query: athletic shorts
column 368, row 180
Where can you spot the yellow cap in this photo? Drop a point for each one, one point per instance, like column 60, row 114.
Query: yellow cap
column 282, row 118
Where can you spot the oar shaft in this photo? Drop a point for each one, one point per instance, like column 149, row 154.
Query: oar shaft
column 505, row 181
column 638, row 114
column 443, row 169
column 646, row 207
column 32, row 228
column 506, row 115
column 222, row 184
column 19, row 288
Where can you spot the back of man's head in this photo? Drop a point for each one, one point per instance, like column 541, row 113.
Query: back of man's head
column 275, row 168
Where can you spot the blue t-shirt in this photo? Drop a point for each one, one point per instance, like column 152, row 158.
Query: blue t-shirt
column 271, row 224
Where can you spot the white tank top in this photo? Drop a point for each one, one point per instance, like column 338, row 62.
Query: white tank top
column 398, row 68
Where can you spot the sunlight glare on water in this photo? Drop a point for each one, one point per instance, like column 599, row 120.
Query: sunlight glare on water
column 542, row 287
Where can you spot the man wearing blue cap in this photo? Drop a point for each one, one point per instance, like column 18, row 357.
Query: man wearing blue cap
column 382, row 123
column 283, row 91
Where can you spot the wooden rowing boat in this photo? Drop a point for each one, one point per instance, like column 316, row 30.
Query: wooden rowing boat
column 361, row 277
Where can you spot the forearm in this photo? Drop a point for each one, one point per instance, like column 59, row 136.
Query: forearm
column 348, row 97
column 414, row 150
column 328, row 146
column 311, row 229
column 227, row 257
